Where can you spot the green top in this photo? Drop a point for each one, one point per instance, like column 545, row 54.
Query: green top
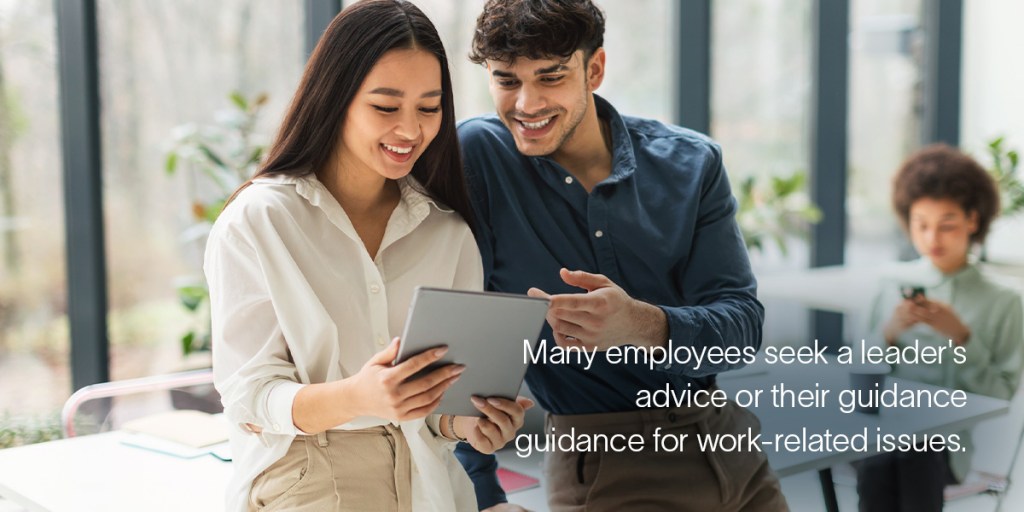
column 994, row 352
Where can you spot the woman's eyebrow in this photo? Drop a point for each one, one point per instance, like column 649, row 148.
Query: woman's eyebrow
column 388, row 91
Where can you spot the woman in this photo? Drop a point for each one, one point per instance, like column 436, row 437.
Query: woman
column 946, row 202
column 311, row 269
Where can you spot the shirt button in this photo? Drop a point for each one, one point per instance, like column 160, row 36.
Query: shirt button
column 380, row 340
column 374, row 288
column 568, row 180
column 598, row 233
column 277, row 428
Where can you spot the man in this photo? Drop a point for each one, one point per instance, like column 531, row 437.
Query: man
column 629, row 225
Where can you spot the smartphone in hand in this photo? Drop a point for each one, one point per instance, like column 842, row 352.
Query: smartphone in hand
column 913, row 293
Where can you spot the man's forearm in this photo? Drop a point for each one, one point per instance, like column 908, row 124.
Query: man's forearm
column 483, row 471
column 651, row 325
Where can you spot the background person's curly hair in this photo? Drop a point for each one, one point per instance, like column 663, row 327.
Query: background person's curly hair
column 941, row 172
column 537, row 29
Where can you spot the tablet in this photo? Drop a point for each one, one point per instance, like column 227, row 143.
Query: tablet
column 484, row 331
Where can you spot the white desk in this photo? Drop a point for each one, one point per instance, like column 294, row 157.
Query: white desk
column 98, row 473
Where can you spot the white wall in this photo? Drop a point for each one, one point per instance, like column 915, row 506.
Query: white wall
column 993, row 98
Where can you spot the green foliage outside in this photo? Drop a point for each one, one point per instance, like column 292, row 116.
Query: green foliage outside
column 774, row 210
column 22, row 430
column 217, row 159
column 1004, row 168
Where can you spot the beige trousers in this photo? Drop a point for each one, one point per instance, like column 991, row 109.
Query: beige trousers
column 353, row 470
column 690, row 480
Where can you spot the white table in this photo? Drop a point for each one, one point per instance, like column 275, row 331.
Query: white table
column 98, row 473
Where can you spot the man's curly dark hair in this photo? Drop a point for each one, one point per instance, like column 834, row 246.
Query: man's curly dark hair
column 537, row 29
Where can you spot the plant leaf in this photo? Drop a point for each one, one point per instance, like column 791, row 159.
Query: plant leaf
column 191, row 296
column 213, row 210
column 239, row 100
column 186, row 342
column 256, row 155
column 212, row 156
column 172, row 162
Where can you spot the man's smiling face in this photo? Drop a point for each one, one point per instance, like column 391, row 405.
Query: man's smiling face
column 541, row 101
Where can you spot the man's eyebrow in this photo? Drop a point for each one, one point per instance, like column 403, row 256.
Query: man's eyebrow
column 551, row 69
column 387, row 91
column 542, row 71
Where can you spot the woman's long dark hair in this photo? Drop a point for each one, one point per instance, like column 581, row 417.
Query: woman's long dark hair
column 352, row 44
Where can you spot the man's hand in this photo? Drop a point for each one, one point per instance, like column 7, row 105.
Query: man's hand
column 603, row 317
column 505, row 507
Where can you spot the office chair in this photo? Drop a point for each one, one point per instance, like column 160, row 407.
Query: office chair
column 104, row 406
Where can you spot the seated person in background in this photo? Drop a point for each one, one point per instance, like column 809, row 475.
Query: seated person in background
column 946, row 202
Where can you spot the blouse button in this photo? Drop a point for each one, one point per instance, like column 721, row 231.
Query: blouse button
column 374, row 288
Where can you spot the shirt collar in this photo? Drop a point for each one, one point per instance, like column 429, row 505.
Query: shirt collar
column 932, row 276
column 623, row 158
column 414, row 195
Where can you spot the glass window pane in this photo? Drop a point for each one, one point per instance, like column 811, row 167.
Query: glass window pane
column 760, row 78
column 759, row 100
column 637, row 39
column 885, row 120
column 167, row 70
column 33, row 298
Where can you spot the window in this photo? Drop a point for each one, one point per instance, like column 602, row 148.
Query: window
column 760, row 79
column 33, row 297
column 886, row 74
column 167, row 70
column 637, row 39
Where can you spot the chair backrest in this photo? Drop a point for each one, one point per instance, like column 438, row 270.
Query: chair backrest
column 109, row 403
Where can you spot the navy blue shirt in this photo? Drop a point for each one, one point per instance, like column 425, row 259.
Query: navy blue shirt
column 661, row 226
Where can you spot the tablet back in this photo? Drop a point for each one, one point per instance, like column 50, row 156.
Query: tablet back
column 484, row 331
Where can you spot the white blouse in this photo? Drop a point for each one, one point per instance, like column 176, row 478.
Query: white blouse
column 297, row 300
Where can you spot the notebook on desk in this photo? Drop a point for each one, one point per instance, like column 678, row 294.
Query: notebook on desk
column 194, row 429
column 187, row 434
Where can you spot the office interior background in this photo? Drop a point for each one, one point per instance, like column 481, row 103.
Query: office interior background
column 100, row 243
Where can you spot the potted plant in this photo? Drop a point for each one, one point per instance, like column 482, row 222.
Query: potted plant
column 215, row 160
column 1004, row 169
column 774, row 210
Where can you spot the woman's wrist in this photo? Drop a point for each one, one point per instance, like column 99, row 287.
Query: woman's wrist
column 447, row 427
